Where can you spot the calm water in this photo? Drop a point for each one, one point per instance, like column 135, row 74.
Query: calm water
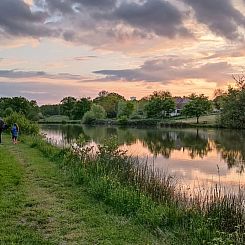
column 197, row 157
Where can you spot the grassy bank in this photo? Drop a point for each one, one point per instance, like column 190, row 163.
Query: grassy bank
column 149, row 198
column 39, row 204
column 58, row 119
column 178, row 122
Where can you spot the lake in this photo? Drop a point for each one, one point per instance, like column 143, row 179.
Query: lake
column 196, row 157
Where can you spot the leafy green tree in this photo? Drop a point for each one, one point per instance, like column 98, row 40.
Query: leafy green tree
column 25, row 125
column 8, row 111
column 50, row 110
column 199, row 105
column 67, row 106
column 20, row 105
column 160, row 104
column 233, row 111
column 96, row 112
column 81, row 107
column 109, row 101
column 219, row 97
column 125, row 108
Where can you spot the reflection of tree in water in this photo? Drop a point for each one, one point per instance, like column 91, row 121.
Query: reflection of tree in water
column 72, row 132
column 231, row 145
column 196, row 145
column 159, row 143
column 99, row 134
column 164, row 142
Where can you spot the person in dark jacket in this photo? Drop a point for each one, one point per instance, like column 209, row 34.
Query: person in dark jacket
column 2, row 126
column 15, row 133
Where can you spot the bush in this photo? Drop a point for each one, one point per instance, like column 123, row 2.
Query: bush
column 24, row 124
column 233, row 111
column 123, row 120
column 89, row 117
column 96, row 112
column 136, row 117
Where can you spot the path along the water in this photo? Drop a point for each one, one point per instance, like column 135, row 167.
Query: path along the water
column 39, row 205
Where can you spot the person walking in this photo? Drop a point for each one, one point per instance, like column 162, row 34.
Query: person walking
column 15, row 132
column 2, row 126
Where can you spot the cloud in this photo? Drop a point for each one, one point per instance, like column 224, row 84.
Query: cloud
column 221, row 17
column 44, row 92
column 156, row 16
column 94, row 22
column 39, row 74
column 17, row 19
column 84, row 58
column 166, row 70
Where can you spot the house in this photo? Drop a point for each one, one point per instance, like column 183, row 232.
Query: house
column 180, row 103
column 133, row 98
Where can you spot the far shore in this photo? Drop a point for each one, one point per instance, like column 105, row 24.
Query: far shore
column 208, row 121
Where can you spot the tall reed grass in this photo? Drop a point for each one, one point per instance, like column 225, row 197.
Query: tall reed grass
column 137, row 190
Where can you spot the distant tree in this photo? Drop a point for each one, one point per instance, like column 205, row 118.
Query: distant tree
column 160, row 104
column 219, row 96
column 103, row 93
column 96, row 112
column 240, row 80
column 125, row 108
column 67, row 106
column 20, row 105
column 197, row 106
column 50, row 110
column 233, row 111
column 109, row 101
column 81, row 107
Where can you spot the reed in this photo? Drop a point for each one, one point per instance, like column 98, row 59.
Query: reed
column 153, row 198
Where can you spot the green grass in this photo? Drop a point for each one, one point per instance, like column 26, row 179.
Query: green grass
column 104, row 198
column 209, row 119
column 58, row 119
column 40, row 205
column 147, row 198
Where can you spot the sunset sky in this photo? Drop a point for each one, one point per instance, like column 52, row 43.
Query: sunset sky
column 50, row 49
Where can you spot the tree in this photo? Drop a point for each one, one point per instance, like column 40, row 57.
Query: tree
column 96, row 112
column 109, row 101
column 125, row 108
column 20, row 105
column 8, row 111
column 67, row 106
column 160, row 104
column 240, row 80
column 50, row 110
column 233, row 112
column 81, row 107
column 219, row 96
column 198, row 106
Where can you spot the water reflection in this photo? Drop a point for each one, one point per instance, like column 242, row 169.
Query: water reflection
column 190, row 153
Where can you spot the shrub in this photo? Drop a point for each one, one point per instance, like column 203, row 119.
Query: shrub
column 233, row 111
column 89, row 117
column 24, row 124
column 123, row 120
column 96, row 112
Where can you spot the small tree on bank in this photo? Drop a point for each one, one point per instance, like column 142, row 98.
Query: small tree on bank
column 160, row 104
column 233, row 111
column 199, row 105
column 96, row 112
column 125, row 108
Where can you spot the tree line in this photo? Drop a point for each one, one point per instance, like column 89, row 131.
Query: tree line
column 158, row 105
